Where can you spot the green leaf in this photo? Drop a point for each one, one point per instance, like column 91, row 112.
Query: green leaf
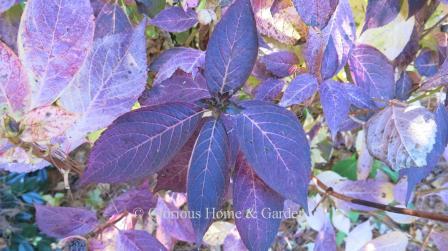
column 346, row 168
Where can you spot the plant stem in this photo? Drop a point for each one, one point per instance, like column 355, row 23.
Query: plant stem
column 398, row 210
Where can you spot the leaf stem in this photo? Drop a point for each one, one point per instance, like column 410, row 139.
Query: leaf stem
column 398, row 210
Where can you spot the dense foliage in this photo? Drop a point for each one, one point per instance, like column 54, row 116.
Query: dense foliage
column 251, row 124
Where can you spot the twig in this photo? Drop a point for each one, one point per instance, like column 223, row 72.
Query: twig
column 108, row 224
column 426, row 240
column 427, row 31
column 398, row 210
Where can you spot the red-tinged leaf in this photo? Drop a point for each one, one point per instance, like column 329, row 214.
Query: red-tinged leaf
column 111, row 20
column 15, row 159
column 280, row 63
column 54, row 39
column 370, row 190
column 251, row 198
column 381, row 12
column 282, row 24
column 395, row 240
column 137, row 201
column 61, row 222
column 109, row 83
column 44, row 123
column 440, row 239
column 174, row 175
column 208, row 174
column 315, row 12
column 179, row 58
column 402, row 137
column 178, row 88
column 138, row 240
column 232, row 49
column 327, row 51
column 141, row 142
column 335, row 105
column 301, row 88
column 269, row 89
column 14, row 87
column 179, row 228
column 326, row 238
column 275, row 145
column 175, row 19
column 372, row 71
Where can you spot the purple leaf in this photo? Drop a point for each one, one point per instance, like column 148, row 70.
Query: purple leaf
column 440, row 239
column 208, row 174
column 299, row 90
column 137, row 201
column 232, row 49
column 6, row 4
column 61, row 222
column 114, row 75
column 326, row 238
column 178, row 88
column 54, row 39
column 179, row 228
column 402, row 137
column 357, row 96
column 315, row 12
column 141, row 142
column 427, row 63
column 269, row 89
column 9, row 28
column 327, row 51
column 415, row 174
column 138, row 240
column 280, row 63
column 251, row 198
column 403, row 86
column 415, row 6
column 186, row 59
column 111, row 20
column 370, row 190
column 439, row 79
column 335, row 105
column 14, row 87
column 395, row 240
column 381, row 12
column 175, row 19
column 174, row 175
column 372, row 71
column 275, row 145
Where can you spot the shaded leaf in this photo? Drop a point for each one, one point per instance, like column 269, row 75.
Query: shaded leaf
column 269, row 89
column 381, row 12
column 232, row 49
column 372, row 71
column 140, row 143
column 111, row 20
column 403, row 86
column 357, row 96
column 175, row 19
column 208, row 174
column 6, row 4
column 54, row 39
column 275, row 145
column 334, row 104
column 315, row 12
column 402, row 137
column 251, row 198
column 439, row 79
column 114, row 75
column 178, row 88
column 301, row 88
column 61, row 222
column 136, row 201
column 14, row 87
column 150, row 7
column 9, row 27
column 415, row 6
column 326, row 238
column 137, row 240
column 427, row 63
column 280, row 63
